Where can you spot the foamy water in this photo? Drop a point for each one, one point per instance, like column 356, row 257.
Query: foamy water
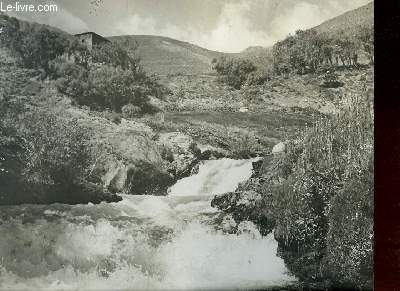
column 214, row 177
column 141, row 242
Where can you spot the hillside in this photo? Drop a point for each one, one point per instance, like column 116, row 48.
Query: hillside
column 163, row 55
column 348, row 23
column 167, row 56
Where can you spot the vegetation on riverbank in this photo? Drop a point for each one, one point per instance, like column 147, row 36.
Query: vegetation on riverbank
column 323, row 204
column 317, row 195
column 106, row 76
column 52, row 151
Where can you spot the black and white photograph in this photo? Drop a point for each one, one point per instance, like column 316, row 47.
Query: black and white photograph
column 187, row 145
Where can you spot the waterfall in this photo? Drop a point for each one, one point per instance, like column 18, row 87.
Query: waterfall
column 214, row 177
column 142, row 242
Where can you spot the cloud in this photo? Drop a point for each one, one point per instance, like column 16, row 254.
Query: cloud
column 302, row 16
column 240, row 23
column 232, row 32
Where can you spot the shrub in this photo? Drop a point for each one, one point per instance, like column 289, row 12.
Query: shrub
column 233, row 72
column 244, row 144
column 130, row 111
column 104, row 87
column 72, row 79
column 57, row 150
column 114, row 55
column 259, row 77
column 167, row 153
column 45, row 159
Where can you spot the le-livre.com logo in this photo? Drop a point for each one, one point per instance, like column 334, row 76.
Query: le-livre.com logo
column 23, row 7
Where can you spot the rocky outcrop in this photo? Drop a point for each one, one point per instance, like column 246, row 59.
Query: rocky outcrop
column 244, row 206
column 182, row 152
column 278, row 148
column 247, row 203
column 132, row 158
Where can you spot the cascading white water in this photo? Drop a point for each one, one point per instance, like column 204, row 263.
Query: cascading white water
column 214, row 177
column 142, row 242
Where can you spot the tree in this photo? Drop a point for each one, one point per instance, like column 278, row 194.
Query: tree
column 115, row 55
column 38, row 47
column 233, row 72
column 366, row 37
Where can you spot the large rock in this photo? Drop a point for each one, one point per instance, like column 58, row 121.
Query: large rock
column 128, row 159
column 279, row 148
column 246, row 205
column 185, row 152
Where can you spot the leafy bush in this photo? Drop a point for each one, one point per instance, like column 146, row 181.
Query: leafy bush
column 104, row 87
column 233, row 72
column 259, row 77
column 57, row 150
column 130, row 111
column 45, row 159
column 72, row 79
column 114, row 55
column 114, row 80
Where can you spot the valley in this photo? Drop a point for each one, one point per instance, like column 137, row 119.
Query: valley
column 154, row 163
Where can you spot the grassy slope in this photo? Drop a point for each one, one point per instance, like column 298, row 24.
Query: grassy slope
column 349, row 22
column 163, row 55
column 167, row 56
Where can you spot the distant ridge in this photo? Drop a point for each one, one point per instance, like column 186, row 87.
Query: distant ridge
column 349, row 22
column 164, row 55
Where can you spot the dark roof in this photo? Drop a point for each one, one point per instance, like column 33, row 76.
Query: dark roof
column 99, row 37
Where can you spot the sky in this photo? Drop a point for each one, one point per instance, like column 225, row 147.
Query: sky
column 221, row 25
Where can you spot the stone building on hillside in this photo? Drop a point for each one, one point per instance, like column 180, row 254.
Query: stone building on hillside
column 91, row 39
column 88, row 39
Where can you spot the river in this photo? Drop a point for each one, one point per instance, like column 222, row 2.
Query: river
column 141, row 242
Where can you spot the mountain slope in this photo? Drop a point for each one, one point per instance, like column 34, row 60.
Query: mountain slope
column 348, row 23
column 163, row 55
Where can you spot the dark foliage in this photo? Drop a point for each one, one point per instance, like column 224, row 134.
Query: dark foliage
column 44, row 159
column 322, row 198
column 233, row 72
column 307, row 51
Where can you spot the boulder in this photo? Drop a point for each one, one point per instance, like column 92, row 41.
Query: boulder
column 279, row 148
column 128, row 159
column 228, row 224
column 184, row 150
column 246, row 205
